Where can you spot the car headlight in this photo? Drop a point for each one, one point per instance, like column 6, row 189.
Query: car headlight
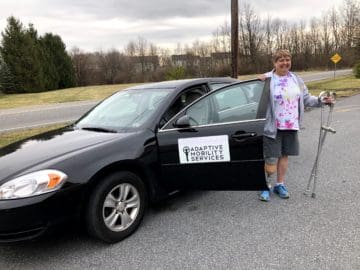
column 32, row 184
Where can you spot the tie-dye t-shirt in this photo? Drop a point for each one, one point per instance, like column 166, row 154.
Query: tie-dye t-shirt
column 286, row 97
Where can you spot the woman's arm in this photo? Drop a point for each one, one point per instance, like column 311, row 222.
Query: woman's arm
column 309, row 100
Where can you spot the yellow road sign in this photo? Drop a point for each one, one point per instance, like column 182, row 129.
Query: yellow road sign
column 335, row 58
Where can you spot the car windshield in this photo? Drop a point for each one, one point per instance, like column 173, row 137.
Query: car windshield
column 125, row 110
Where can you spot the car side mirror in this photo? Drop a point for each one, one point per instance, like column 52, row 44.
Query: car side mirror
column 183, row 122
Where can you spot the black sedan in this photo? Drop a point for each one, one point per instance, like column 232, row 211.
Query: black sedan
column 137, row 146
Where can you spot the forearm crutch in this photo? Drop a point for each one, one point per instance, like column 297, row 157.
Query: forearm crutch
column 324, row 129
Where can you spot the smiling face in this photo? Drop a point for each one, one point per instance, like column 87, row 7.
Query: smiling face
column 282, row 65
column 282, row 62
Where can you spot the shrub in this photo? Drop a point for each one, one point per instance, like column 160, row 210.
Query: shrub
column 175, row 73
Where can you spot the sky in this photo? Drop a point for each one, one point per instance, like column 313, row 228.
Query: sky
column 102, row 25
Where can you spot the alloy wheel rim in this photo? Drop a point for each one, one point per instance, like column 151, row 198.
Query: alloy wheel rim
column 121, row 207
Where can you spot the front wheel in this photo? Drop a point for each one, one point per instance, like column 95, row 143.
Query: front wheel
column 116, row 207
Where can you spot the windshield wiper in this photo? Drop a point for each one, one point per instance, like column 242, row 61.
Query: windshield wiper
column 100, row 129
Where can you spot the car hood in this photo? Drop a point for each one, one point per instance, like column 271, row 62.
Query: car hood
column 20, row 156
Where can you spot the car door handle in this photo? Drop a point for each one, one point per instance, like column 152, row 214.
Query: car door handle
column 188, row 129
column 243, row 135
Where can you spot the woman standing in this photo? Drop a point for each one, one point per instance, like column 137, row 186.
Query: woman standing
column 285, row 110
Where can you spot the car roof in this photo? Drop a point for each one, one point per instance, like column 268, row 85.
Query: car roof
column 176, row 84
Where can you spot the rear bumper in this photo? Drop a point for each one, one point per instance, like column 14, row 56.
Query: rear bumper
column 24, row 219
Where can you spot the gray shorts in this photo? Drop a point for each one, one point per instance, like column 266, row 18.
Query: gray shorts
column 286, row 143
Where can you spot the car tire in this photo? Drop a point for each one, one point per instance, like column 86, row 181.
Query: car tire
column 116, row 207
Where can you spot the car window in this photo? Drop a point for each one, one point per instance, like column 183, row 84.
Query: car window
column 231, row 98
column 234, row 103
column 154, row 100
column 214, row 86
column 126, row 109
column 181, row 102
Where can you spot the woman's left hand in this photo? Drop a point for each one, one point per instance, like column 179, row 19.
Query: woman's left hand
column 328, row 100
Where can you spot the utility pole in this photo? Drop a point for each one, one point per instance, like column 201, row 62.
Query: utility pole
column 234, row 38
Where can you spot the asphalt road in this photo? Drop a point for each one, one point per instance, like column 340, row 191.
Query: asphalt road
column 324, row 75
column 234, row 230
column 42, row 115
column 26, row 117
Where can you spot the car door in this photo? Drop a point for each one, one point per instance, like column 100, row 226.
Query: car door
column 221, row 148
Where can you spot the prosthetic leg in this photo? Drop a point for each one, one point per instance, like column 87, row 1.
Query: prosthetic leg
column 324, row 129
column 270, row 170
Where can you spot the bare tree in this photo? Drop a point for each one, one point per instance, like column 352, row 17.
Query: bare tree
column 269, row 35
column 325, row 38
column 136, row 51
column 294, row 42
column 111, row 63
column 216, row 40
column 202, row 50
column 283, row 34
column 81, row 66
column 225, row 33
column 252, row 33
column 335, row 28
column 302, row 36
column 165, row 59
column 130, row 49
column 351, row 12
column 179, row 48
column 357, row 39
column 315, row 36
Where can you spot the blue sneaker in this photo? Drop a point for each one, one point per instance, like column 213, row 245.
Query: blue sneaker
column 282, row 191
column 265, row 196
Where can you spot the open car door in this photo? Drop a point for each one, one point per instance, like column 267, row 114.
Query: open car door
column 216, row 142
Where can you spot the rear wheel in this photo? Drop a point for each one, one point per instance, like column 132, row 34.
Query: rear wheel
column 116, row 207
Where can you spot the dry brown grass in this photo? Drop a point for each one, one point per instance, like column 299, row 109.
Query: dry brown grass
column 59, row 96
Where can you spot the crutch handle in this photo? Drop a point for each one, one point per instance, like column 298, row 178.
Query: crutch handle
column 328, row 129
column 324, row 95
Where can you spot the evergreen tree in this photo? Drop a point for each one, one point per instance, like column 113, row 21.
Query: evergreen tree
column 51, row 74
column 6, row 79
column 57, row 65
column 37, row 82
column 20, row 52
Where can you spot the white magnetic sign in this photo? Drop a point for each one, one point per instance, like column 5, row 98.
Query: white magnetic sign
column 204, row 149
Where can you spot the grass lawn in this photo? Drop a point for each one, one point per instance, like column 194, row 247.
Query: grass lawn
column 9, row 137
column 343, row 86
column 65, row 95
